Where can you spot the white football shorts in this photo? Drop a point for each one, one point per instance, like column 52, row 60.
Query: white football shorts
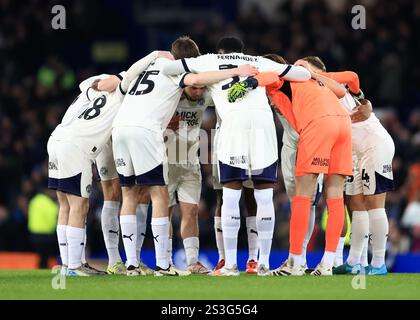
column 105, row 163
column 184, row 183
column 373, row 152
column 74, row 170
column 140, row 156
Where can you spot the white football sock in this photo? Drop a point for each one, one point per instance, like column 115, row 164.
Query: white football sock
column 338, row 260
column 328, row 259
column 192, row 247
column 359, row 233
column 231, row 222
column 308, row 234
column 75, row 241
column 141, row 213
column 251, row 230
column 364, row 258
column 219, row 237
column 62, row 244
column 170, row 250
column 111, row 230
column 160, row 229
column 378, row 227
column 84, row 261
column 297, row 259
column 265, row 224
column 129, row 234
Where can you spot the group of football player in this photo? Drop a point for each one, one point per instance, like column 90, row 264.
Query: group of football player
column 142, row 130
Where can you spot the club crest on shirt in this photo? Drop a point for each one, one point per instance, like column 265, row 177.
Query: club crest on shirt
column 104, row 171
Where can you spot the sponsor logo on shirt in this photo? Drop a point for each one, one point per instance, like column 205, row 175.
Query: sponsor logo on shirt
column 190, row 117
column 237, row 160
column 387, row 168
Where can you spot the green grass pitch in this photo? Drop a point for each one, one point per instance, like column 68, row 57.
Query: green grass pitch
column 37, row 284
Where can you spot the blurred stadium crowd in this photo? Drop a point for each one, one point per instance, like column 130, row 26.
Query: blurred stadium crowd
column 40, row 70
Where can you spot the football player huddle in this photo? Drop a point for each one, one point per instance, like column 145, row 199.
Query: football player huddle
column 142, row 130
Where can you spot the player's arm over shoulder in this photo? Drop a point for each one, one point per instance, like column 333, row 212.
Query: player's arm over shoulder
column 108, row 84
column 270, row 80
column 338, row 89
column 140, row 66
column 202, row 63
column 286, row 71
column 350, row 78
column 263, row 79
column 211, row 77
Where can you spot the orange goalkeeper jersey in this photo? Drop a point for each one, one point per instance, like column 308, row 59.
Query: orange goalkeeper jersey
column 301, row 102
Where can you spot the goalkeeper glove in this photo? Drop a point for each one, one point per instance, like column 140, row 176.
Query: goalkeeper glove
column 239, row 89
column 358, row 96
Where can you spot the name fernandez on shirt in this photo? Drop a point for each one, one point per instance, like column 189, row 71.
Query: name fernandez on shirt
column 236, row 57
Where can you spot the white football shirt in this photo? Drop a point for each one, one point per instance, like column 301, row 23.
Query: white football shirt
column 255, row 99
column 183, row 144
column 191, row 116
column 151, row 99
column 78, row 105
column 92, row 128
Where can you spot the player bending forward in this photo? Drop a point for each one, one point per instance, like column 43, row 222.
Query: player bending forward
column 73, row 111
column 373, row 151
column 82, row 140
